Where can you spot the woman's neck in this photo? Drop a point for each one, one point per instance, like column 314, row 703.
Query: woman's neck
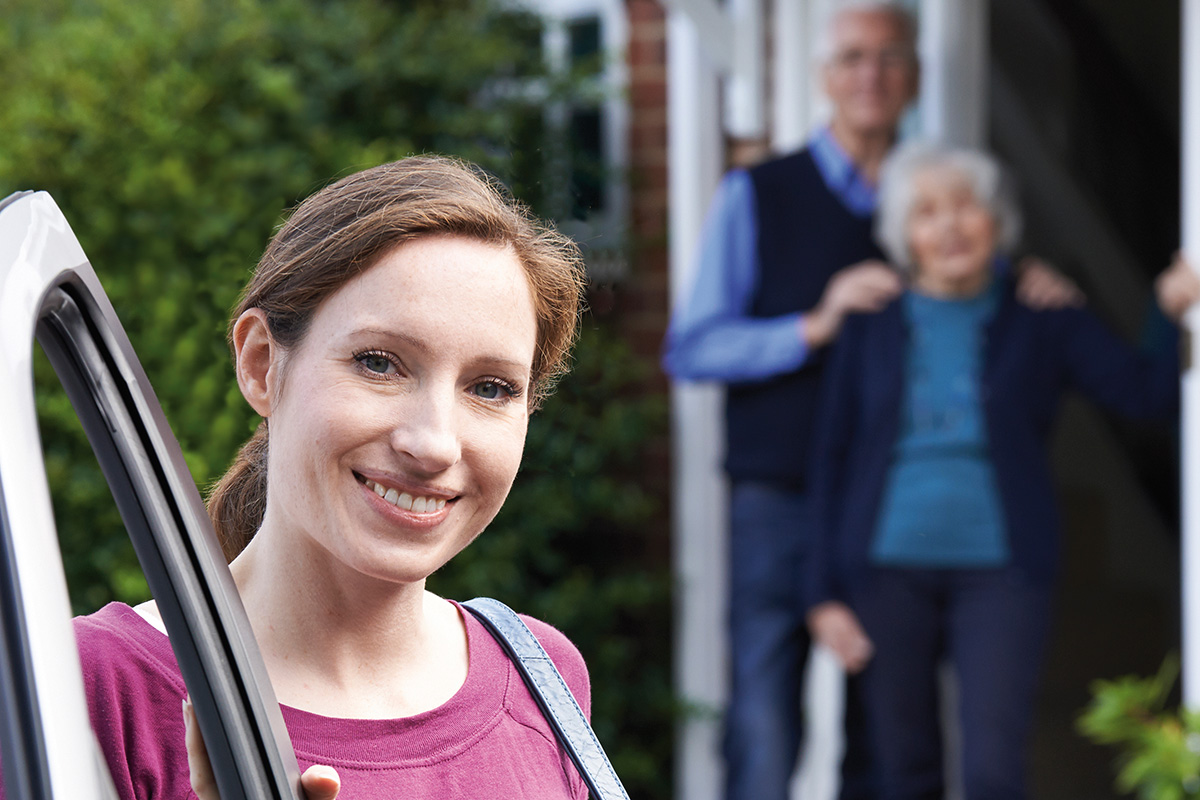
column 960, row 289
column 341, row 644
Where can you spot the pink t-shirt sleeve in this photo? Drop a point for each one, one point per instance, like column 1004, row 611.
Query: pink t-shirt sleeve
column 134, row 695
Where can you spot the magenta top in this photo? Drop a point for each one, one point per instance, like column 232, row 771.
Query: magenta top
column 488, row 741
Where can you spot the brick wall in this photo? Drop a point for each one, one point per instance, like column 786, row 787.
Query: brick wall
column 640, row 304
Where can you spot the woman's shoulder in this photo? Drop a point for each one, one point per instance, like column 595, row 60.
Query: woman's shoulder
column 562, row 651
column 891, row 314
column 117, row 646
column 1052, row 326
column 566, row 658
column 134, row 690
column 863, row 327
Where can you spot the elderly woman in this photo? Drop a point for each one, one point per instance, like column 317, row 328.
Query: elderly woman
column 398, row 333
column 935, row 501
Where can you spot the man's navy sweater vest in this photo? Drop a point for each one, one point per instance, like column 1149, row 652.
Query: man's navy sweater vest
column 805, row 235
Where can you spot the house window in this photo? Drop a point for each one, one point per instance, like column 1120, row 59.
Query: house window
column 584, row 43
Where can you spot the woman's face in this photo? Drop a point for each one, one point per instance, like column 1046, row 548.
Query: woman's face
column 399, row 421
column 951, row 235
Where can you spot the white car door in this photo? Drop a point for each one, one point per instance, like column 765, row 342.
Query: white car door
column 47, row 750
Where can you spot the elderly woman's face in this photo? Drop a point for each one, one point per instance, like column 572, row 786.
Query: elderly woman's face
column 951, row 234
column 401, row 416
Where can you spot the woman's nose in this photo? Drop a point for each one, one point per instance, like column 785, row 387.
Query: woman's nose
column 427, row 431
column 948, row 221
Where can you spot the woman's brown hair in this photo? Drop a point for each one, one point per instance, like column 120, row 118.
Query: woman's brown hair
column 343, row 230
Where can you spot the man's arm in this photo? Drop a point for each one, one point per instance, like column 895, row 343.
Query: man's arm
column 713, row 336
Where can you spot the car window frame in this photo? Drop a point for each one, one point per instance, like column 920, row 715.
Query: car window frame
column 49, row 291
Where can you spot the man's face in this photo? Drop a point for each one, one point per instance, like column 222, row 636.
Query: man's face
column 871, row 75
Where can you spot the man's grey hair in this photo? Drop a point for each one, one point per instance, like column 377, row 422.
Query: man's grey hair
column 897, row 177
column 826, row 43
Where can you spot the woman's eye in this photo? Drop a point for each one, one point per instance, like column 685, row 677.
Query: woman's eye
column 493, row 390
column 376, row 362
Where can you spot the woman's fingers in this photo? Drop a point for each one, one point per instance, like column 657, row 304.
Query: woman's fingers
column 856, row 651
column 853, row 646
column 834, row 625
column 321, row 782
column 199, row 766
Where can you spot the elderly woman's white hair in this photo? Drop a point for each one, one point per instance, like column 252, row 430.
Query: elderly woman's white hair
column 824, row 46
column 897, row 191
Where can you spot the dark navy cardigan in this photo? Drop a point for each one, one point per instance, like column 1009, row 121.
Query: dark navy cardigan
column 1030, row 358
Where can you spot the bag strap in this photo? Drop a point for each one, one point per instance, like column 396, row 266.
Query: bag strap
column 552, row 695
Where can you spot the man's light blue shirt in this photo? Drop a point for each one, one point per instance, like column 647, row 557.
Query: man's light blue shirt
column 712, row 336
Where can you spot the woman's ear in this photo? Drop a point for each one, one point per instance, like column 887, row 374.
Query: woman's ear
column 258, row 360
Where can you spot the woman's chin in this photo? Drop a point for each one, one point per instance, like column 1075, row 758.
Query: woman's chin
column 955, row 279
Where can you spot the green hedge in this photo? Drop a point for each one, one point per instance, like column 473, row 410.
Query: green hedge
column 174, row 135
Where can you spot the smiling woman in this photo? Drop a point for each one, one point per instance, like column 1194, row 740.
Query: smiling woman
column 399, row 331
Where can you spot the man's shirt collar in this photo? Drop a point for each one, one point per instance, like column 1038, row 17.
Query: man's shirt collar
column 841, row 175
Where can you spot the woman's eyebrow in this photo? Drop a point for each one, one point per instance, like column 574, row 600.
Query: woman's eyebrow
column 413, row 341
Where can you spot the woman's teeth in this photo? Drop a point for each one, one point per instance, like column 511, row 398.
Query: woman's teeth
column 405, row 500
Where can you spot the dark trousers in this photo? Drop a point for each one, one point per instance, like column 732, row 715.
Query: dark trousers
column 770, row 643
column 991, row 624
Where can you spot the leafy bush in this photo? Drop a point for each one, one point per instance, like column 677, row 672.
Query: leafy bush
column 174, row 135
column 1160, row 747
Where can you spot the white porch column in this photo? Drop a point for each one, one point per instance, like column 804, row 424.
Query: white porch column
column 1191, row 381
column 789, row 75
column 953, row 45
column 796, row 97
column 745, row 103
column 695, row 162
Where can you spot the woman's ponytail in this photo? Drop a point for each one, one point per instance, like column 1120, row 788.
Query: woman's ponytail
column 239, row 499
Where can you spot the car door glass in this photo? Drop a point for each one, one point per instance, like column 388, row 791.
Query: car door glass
column 47, row 285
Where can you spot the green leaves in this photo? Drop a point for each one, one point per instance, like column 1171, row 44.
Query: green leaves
column 1160, row 748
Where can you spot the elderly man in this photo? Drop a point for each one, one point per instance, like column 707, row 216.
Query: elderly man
column 786, row 254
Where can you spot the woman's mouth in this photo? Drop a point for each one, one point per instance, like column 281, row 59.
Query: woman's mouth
column 404, row 500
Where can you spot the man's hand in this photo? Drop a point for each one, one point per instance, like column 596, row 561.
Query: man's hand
column 1177, row 288
column 1043, row 288
column 863, row 287
column 318, row 782
column 834, row 625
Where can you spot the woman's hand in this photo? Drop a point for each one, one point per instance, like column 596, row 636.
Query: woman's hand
column 1177, row 288
column 864, row 287
column 1041, row 287
column 834, row 625
column 318, row 782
